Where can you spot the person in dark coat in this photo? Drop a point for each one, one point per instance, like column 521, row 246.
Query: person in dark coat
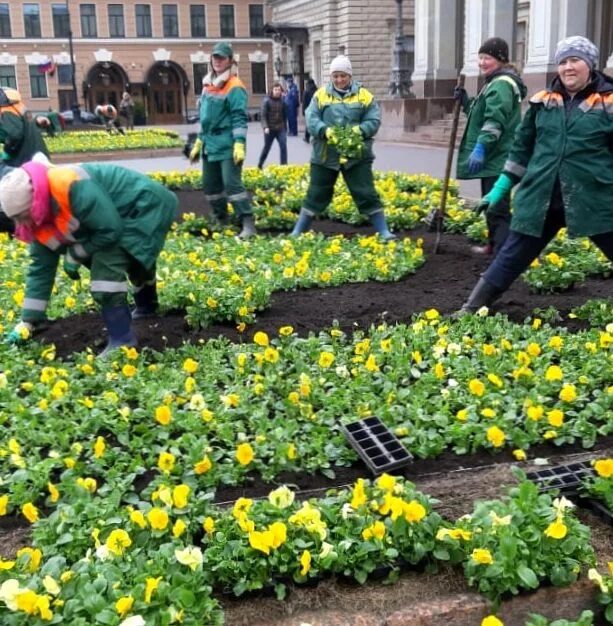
column 292, row 99
column 562, row 158
column 493, row 116
column 274, row 123
column 309, row 92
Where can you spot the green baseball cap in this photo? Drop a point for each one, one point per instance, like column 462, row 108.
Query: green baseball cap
column 223, row 49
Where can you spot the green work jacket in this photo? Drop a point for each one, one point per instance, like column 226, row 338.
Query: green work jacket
column 569, row 140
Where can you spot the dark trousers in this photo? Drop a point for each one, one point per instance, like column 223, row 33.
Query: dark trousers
column 498, row 220
column 520, row 250
column 281, row 137
column 292, row 122
column 359, row 180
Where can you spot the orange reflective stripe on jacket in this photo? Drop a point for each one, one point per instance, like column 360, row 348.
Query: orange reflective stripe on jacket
column 233, row 81
column 64, row 223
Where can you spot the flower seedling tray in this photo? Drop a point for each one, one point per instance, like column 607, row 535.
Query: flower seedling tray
column 376, row 445
column 567, row 478
column 598, row 508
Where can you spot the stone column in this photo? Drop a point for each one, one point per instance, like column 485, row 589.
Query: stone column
column 435, row 48
column 489, row 18
column 550, row 21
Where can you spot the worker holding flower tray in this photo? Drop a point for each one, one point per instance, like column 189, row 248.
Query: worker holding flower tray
column 108, row 218
column 343, row 118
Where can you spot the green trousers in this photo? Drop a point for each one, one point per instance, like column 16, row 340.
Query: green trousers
column 110, row 271
column 359, row 180
column 222, row 183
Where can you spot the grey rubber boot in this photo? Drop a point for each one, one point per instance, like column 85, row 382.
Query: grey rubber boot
column 378, row 220
column 146, row 301
column 303, row 223
column 248, row 228
column 483, row 294
column 118, row 320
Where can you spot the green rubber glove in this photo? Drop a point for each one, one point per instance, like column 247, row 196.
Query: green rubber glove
column 20, row 334
column 496, row 194
column 71, row 267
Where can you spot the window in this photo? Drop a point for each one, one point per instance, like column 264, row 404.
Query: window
column 5, row 21
column 38, row 83
column 61, row 23
column 197, row 19
column 258, row 78
column 226, row 20
column 143, row 20
column 256, row 20
column 7, row 76
column 64, row 74
column 31, row 20
column 170, row 20
column 116, row 26
column 88, row 20
column 200, row 71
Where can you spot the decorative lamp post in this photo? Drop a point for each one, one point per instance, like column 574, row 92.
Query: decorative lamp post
column 76, row 109
column 400, row 83
column 278, row 66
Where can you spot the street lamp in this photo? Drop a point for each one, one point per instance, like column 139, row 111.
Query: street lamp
column 400, row 83
column 278, row 66
column 76, row 110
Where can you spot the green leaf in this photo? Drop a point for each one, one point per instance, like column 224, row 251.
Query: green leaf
column 527, row 576
column 106, row 616
column 186, row 597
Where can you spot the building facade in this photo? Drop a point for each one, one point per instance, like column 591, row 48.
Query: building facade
column 158, row 51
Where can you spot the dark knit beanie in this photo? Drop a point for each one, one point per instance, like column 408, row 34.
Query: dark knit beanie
column 497, row 48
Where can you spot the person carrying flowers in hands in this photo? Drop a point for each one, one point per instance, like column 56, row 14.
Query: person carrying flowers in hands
column 493, row 116
column 109, row 218
column 222, row 139
column 562, row 158
column 342, row 104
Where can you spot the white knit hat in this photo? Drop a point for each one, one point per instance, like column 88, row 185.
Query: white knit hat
column 16, row 192
column 341, row 64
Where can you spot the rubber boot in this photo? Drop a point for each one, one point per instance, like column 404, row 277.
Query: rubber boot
column 377, row 219
column 483, row 294
column 146, row 301
column 303, row 223
column 118, row 322
column 248, row 228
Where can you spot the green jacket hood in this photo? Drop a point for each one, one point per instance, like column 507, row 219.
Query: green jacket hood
column 511, row 73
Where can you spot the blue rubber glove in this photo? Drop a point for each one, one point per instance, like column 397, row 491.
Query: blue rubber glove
column 476, row 160
column 497, row 193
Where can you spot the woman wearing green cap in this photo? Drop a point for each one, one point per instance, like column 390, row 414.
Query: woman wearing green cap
column 222, row 139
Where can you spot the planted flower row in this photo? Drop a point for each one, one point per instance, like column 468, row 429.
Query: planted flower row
column 158, row 560
column 101, row 141
column 210, row 414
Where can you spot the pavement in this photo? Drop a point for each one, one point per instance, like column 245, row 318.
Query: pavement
column 390, row 156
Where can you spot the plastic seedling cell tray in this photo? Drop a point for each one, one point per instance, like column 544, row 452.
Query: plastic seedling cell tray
column 566, row 478
column 376, row 445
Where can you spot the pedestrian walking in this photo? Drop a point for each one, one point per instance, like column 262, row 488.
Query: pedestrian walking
column 222, row 139
column 493, row 116
column 106, row 217
column 342, row 102
column 274, row 123
column 562, row 158
column 292, row 99
column 307, row 96
column 126, row 109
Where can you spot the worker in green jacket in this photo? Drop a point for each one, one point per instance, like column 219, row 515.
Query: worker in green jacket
column 109, row 218
column 342, row 102
column 562, row 159
column 222, row 139
column 50, row 122
column 493, row 116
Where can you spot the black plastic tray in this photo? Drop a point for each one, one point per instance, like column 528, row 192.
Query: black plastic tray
column 567, row 478
column 376, row 445
column 598, row 508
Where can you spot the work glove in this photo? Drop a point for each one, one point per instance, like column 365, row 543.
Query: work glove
column 71, row 267
column 476, row 160
column 330, row 135
column 20, row 334
column 459, row 93
column 496, row 194
column 196, row 151
column 238, row 153
column 357, row 130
